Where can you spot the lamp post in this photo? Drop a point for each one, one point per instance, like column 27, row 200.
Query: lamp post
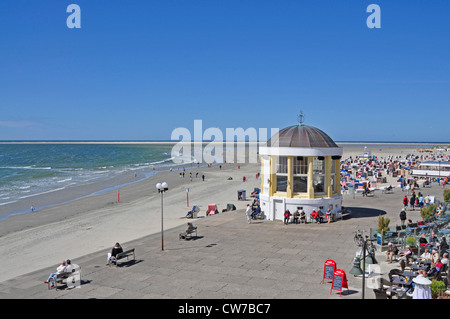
column 356, row 270
column 162, row 187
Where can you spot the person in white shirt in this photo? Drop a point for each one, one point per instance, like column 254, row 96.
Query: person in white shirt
column 69, row 266
column 248, row 212
column 61, row 268
column 426, row 255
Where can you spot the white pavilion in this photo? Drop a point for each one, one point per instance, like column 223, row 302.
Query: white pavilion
column 300, row 168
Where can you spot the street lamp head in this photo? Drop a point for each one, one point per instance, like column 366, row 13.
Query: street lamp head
column 162, row 187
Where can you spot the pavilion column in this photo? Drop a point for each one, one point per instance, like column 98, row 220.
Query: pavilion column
column 290, row 178
column 328, row 163
column 262, row 177
column 310, row 177
column 337, row 179
column 272, row 185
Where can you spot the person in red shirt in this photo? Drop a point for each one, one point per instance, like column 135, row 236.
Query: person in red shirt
column 287, row 216
column 405, row 201
column 434, row 271
column 315, row 216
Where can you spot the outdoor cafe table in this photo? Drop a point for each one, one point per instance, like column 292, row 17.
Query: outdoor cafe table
column 402, row 281
column 409, row 274
column 424, row 261
column 417, row 267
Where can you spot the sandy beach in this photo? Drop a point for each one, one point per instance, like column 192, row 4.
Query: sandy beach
column 45, row 238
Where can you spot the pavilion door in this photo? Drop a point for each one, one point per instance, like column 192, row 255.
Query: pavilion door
column 278, row 209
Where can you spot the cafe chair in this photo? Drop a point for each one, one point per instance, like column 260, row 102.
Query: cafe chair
column 385, row 284
column 380, row 294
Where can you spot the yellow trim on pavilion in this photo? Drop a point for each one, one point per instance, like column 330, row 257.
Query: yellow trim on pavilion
column 310, row 189
column 290, row 178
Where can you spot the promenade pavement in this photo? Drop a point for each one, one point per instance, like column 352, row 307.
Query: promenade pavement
column 230, row 259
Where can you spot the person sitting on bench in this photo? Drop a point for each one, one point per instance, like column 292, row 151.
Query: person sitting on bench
column 302, row 217
column 117, row 249
column 366, row 191
column 320, row 214
column 315, row 216
column 435, row 270
column 255, row 212
column 191, row 228
column 69, row 266
column 61, row 268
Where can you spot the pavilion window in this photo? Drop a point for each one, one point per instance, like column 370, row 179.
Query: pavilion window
column 300, row 174
column 281, row 173
column 319, row 174
column 333, row 176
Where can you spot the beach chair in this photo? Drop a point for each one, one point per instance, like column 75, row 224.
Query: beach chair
column 231, row 207
column 255, row 192
column 193, row 213
column 212, row 209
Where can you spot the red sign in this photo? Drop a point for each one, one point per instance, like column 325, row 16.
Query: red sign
column 328, row 270
column 339, row 281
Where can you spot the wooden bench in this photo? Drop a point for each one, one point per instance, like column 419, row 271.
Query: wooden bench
column 62, row 278
column 122, row 255
column 343, row 214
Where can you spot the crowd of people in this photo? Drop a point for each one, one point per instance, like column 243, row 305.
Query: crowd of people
column 416, row 201
column 299, row 216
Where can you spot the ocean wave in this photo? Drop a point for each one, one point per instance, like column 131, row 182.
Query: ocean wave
column 6, row 203
column 25, row 167
column 162, row 161
column 64, row 180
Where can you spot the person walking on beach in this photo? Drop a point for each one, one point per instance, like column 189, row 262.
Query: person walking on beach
column 248, row 212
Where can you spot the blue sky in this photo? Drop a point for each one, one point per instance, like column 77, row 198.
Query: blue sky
column 138, row 69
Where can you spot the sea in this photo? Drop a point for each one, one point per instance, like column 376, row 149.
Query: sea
column 29, row 170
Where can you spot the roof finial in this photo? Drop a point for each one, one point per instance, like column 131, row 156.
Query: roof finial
column 300, row 118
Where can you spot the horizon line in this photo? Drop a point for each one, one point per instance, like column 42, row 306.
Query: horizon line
column 74, row 141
